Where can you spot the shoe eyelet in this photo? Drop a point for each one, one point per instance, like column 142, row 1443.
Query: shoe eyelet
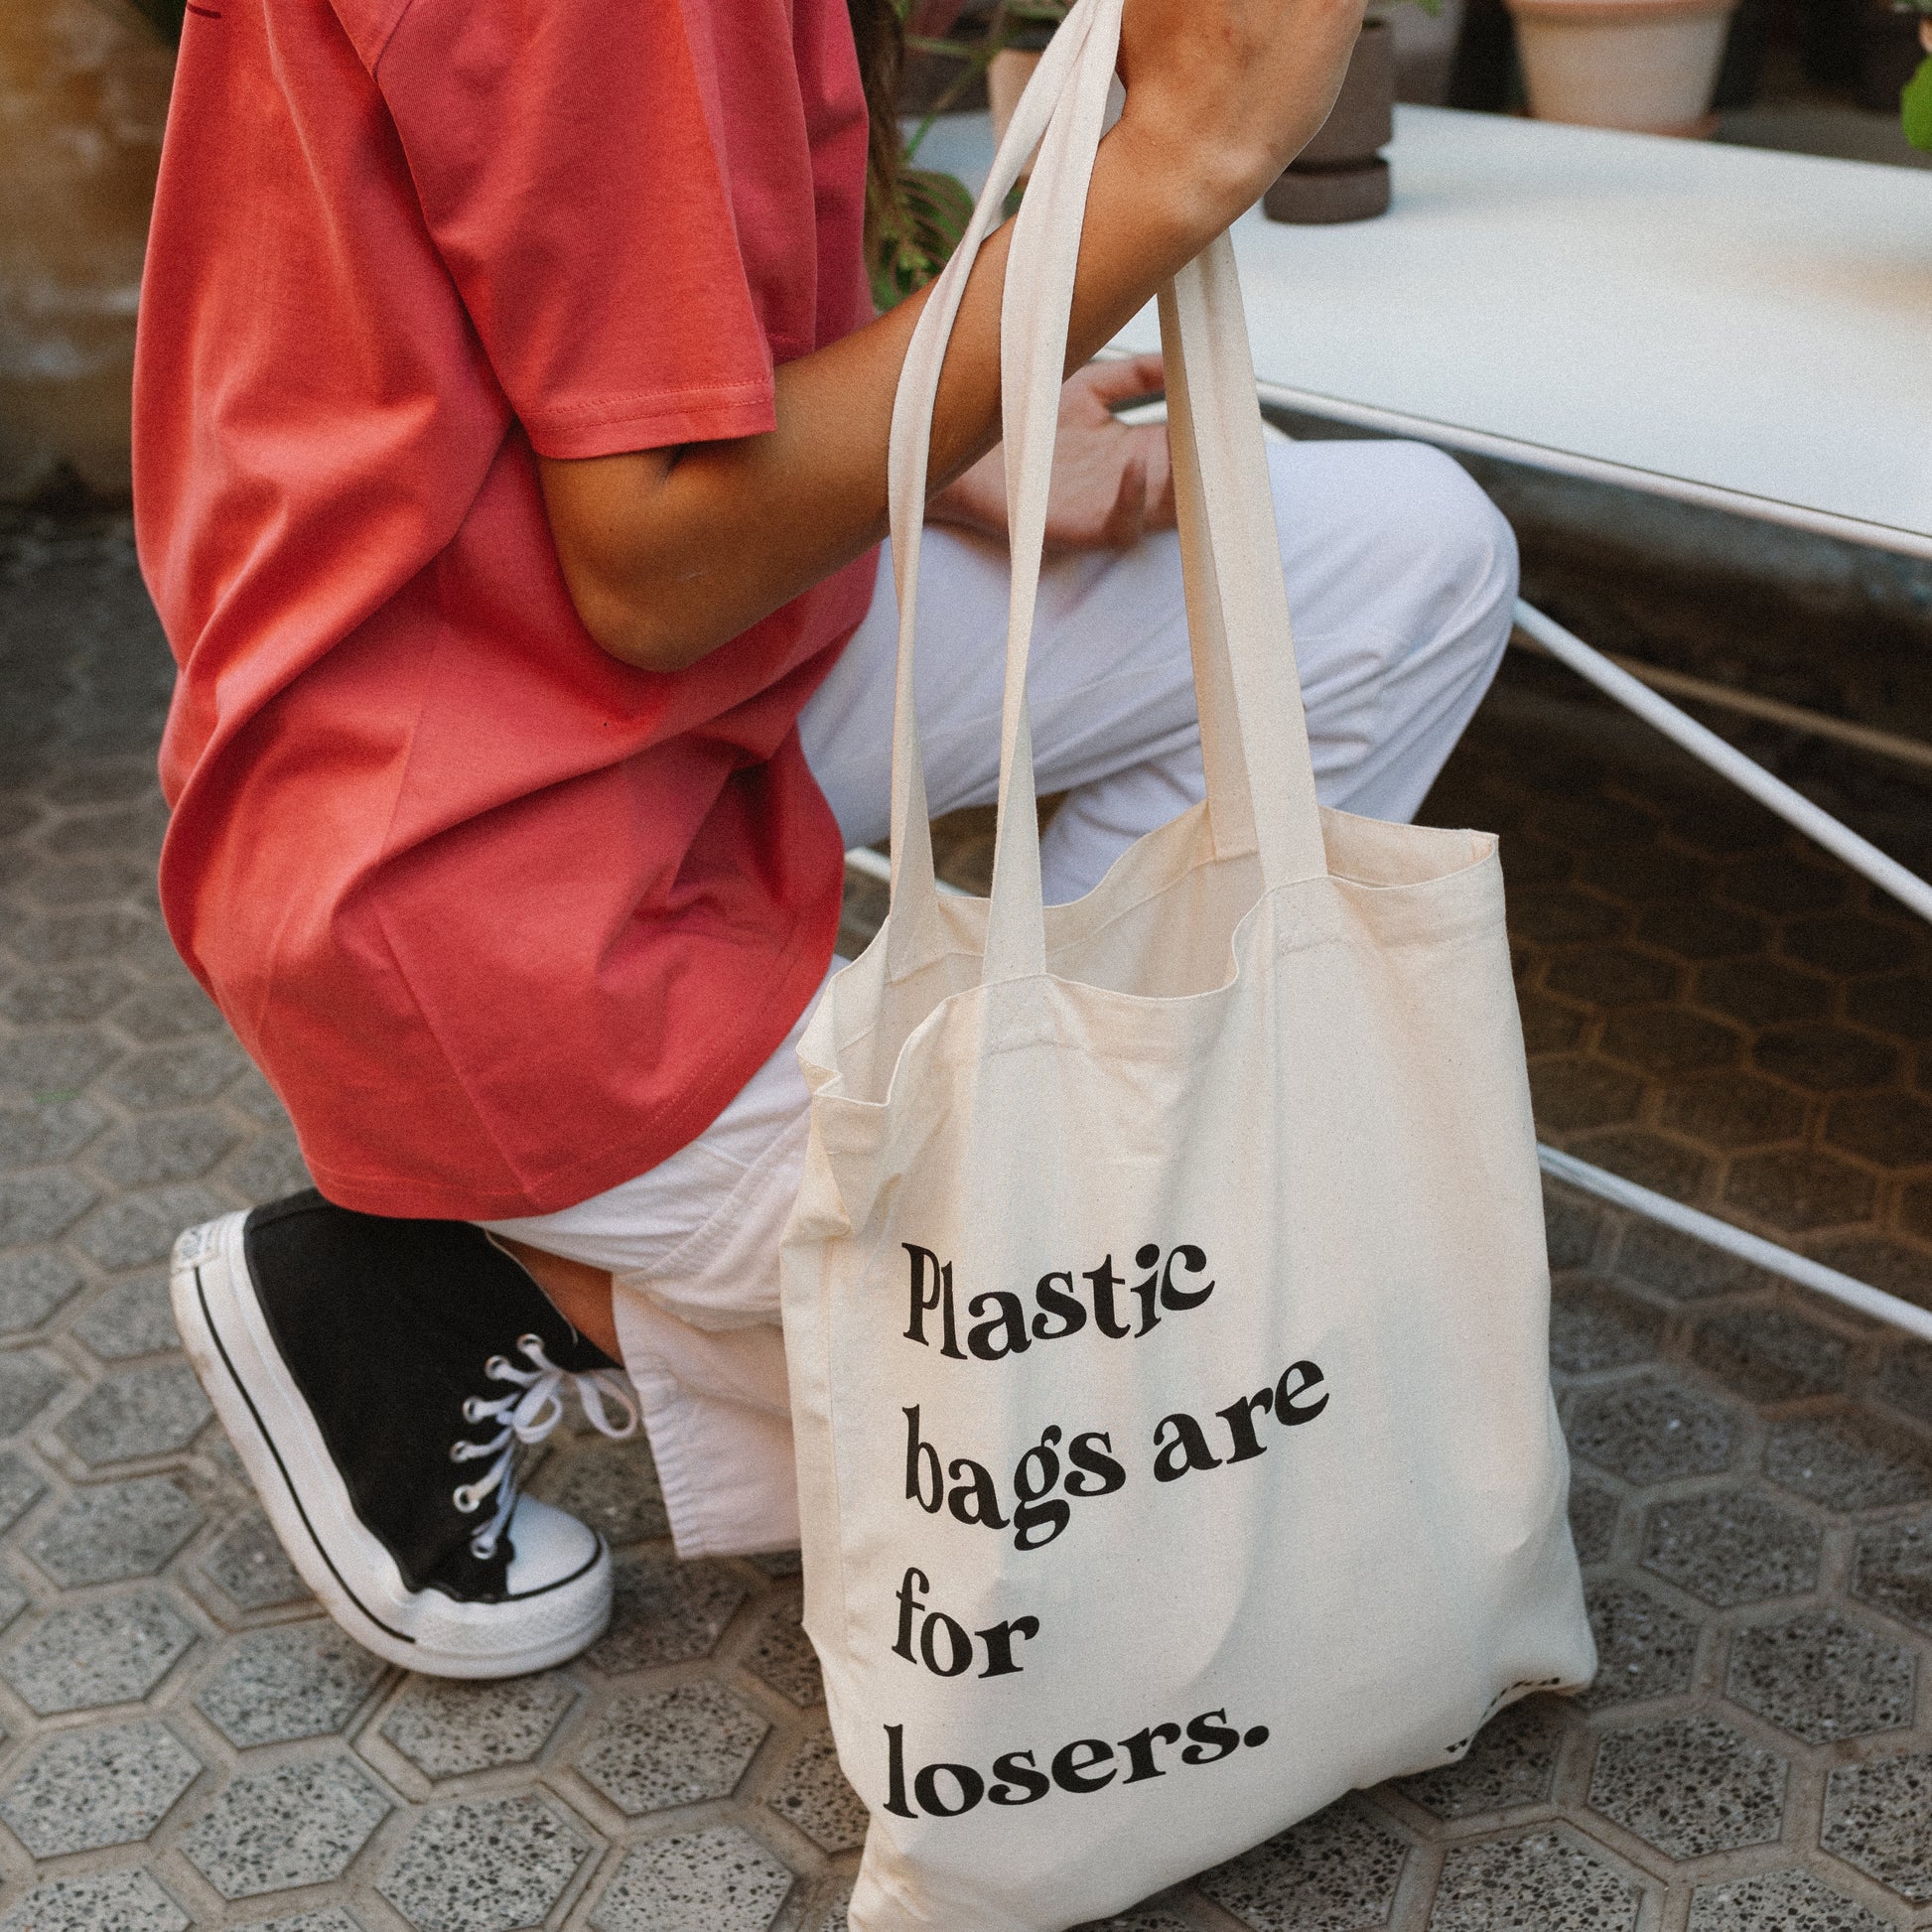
column 467, row 1499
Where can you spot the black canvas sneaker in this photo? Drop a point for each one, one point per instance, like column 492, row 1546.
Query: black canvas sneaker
column 378, row 1378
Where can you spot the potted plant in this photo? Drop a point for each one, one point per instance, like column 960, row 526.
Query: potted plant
column 1917, row 98
column 1646, row 66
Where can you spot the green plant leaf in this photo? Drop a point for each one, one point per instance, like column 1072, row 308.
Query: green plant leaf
column 1916, row 101
column 932, row 214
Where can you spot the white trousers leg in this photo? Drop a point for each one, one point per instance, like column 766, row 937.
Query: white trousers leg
column 1400, row 578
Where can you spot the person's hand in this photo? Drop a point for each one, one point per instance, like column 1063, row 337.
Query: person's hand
column 1111, row 480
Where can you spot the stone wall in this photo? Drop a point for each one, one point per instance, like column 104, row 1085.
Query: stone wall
column 83, row 95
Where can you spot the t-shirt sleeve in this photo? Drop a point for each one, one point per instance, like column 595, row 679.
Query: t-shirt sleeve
column 569, row 158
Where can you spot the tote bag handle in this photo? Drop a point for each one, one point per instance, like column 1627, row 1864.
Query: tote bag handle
column 1248, row 694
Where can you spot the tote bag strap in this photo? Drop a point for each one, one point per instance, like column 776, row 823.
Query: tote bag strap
column 1249, row 697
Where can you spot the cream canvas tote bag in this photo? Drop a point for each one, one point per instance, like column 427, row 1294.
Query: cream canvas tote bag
column 1166, row 1303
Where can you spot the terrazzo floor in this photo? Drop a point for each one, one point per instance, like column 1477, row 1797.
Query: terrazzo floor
column 1710, row 1007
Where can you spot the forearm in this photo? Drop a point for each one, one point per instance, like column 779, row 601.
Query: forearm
column 670, row 554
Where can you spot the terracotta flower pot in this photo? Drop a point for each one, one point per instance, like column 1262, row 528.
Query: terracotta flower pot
column 1647, row 65
column 1341, row 175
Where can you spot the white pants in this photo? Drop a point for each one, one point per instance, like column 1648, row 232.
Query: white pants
column 1401, row 577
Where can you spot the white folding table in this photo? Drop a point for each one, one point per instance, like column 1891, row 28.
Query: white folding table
column 1730, row 327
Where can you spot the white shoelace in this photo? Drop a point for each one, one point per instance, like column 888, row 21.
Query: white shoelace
column 533, row 1407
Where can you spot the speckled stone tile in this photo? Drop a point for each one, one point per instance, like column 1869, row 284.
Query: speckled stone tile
column 446, row 1728
column 1848, row 1462
column 1645, row 1648
column 85, row 1790
column 721, row 1878
column 129, row 1317
column 1549, row 1879
column 667, row 1612
column 33, row 1286
column 1595, row 1508
column 1822, row 1677
column 1511, row 1762
column 292, row 1825
column 1879, row 1819
column 84, row 1655
column 331, row 1918
column 1652, row 1430
column 114, row 1530
column 813, row 1794
column 1596, row 1324
column 1771, row 1355
column 28, row 1381
column 151, row 1410
column 1689, row 1786
column 21, row 1488
column 102, row 1902
column 611, row 1486
column 1732, row 1546
column 304, row 1680
column 1780, row 1902
column 784, row 1657
column 489, row 1866
column 655, row 1749
column 1336, row 1870
column 250, row 1565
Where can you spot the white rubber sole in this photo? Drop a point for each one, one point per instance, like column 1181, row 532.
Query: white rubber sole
column 347, row 1566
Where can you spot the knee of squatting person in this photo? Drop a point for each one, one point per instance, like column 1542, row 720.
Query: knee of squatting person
column 513, row 523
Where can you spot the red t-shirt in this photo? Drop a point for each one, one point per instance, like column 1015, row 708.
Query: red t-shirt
column 503, row 920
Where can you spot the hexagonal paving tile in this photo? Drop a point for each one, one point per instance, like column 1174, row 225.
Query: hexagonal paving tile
column 138, row 1229
column 132, row 1318
column 27, row 1383
column 1789, row 1902
column 1904, row 1380
column 169, row 1012
column 1511, row 1762
column 723, row 1879
column 1700, row 929
column 1894, row 1129
column 164, row 1147
column 302, row 1680
column 1548, row 1880
column 152, row 1410
column 1689, row 1786
column 611, row 1486
column 1652, row 1430
column 20, row 1489
column 1644, row 1648
column 1666, row 1163
column 1900, row 1004
column 85, row 1790
column 1850, row 943
column 1570, row 1094
column 1611, row 976
column 445, row 1728
column 1760, row 990
column 79, row 1657
column 814, row 1796
column 102, row 1902
column 1735, row 1546
column 1824, row 1057
column 32, row 1285
column 784, row 1658
column 1892, row 1571
column 1669, row 1040
column 87, row 992
column 1771, row 1355
column 667, row 1612
column 331, row 1918
column 1594, row 1513
column 1848, row 1462
column 171, row 1076
column 652, row 1751
column 1820, row 1677
column 489, row 1866
column 250, row 1565
column 292, row 1825
column 1784, row 882
column 41, row 1206
column 1733, row 1108
column 1337, row 1869
column 1797, row 1190
column 1879, row 1817
column 114, row 1530
column 1681, row 1268
column 1595, row 1325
